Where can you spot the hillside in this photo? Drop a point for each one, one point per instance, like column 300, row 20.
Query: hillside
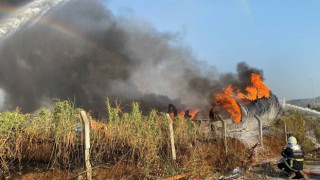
column 305, row 102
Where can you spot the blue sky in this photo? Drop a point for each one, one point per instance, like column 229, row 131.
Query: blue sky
column 281, row 37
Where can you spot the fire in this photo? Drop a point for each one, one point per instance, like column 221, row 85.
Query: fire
column 229, row 98
column 191, row 113
column 258, row 89
column 228, row 102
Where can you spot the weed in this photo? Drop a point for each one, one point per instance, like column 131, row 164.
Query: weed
column 131, row 140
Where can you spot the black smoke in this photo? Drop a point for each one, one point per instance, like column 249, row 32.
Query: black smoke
column 239, row 80
column 80, row 51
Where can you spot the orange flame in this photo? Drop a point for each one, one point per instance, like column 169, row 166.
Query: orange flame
column 192, row 113
column 229, row 103
column 228, row 99
column 258, row 89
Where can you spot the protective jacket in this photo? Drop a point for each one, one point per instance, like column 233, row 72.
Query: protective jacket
column 294, row 157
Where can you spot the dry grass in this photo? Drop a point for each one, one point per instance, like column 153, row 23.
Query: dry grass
column 298, row 125
column 42, row 136
column 130, row 145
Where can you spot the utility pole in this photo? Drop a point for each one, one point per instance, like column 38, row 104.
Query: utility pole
column 313, row 94
column 313, row 98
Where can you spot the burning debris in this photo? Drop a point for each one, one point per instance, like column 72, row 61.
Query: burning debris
column 190, row 113
column 257, row 100
column 241, row 107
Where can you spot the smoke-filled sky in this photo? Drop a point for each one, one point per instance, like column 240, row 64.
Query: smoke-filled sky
column 83, row 51
column 280, row 37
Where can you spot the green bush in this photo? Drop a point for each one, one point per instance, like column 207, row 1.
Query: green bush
column 297, row 125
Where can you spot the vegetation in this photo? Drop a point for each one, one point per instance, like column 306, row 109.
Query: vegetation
column 130, row 144
column 300, row 126
column 316, row 108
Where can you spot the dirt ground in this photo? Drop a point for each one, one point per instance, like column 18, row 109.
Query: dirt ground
column 269, row 171
column 264, row 171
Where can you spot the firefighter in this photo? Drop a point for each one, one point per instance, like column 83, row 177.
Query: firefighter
column 292, row 162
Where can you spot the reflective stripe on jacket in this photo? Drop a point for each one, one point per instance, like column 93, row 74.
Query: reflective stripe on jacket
column 294, row 158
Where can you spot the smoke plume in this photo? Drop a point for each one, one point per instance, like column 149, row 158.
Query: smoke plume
column 80, row 51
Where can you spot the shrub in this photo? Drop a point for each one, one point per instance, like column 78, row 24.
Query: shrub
column 297, row 125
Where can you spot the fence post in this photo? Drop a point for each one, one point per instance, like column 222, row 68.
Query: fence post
column 260, row 128
column 224, row 133
column 285, row 132
column 173, row 149
column 86, row 135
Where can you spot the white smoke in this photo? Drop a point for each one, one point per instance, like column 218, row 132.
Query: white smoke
column 298, row 108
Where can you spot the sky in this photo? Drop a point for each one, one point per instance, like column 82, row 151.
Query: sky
column 280, row 37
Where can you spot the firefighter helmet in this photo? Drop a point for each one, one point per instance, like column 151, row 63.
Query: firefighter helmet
column 292, row 140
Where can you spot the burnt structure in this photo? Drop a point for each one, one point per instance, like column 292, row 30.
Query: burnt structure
column 266, row 108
